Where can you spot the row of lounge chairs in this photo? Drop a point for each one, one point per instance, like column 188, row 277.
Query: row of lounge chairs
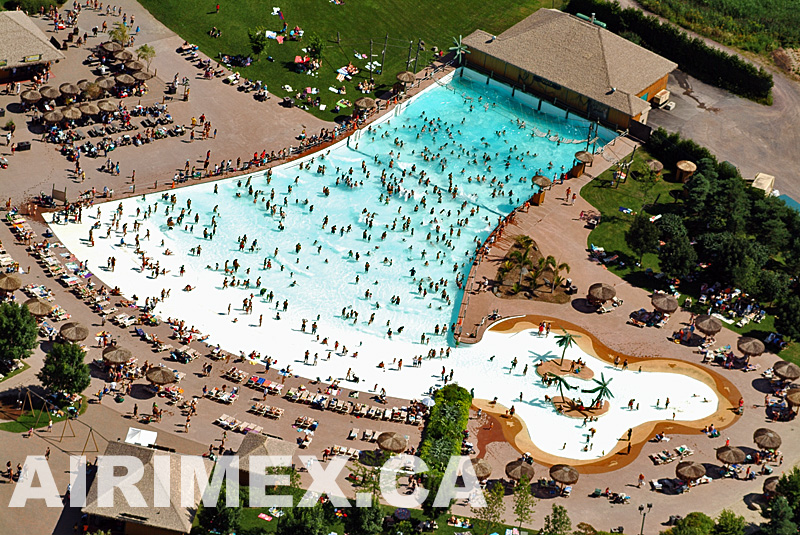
column 223, row 397
column 352, row 453
column 260, row 383
column 262, row 409
column 232, row 424
column 324, row 401
column 368, row 436
column 666, row 457
column 235, row 375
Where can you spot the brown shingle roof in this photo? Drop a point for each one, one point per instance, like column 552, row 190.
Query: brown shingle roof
column 19, row 37
column 172, row 518
column 578, row 55
column 257, row 444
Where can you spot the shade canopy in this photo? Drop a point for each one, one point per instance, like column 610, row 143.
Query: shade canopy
column 788, row 371
column 38, row 306
column 141, row 437
column 83, row 85
column 731, row 455
column 69, row 89
column 71, row 113
column 125, row 79
column 600, row 291
column 31, row 95
column 365, row 103
column 105, row 82
column 665, row 303
column 750, row 346
column 111, row 46
column 123, row 55
column 393, row 442
column 141, row 76
column 793, row 397
column 117, row 355
column 708, row 324
column 106, row 106
column 687, row 166
column 89, row 109
column 10, row 282
column 135, row 65
column 518, row 469
column 689, row 471
column 655, row 165
column 406, row 77
column 564, row 474
column 541, row 181
column 50, row 92
column 767, row 439
column 74, row 332
column 161, row 376
column 428, row 401
column 54, row 116
column 771, row 484
column 482, row 468
column 584, row 156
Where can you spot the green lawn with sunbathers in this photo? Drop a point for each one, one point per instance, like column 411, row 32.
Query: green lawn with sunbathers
column 346, row 29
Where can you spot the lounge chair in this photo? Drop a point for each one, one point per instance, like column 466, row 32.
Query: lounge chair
column 353, row 433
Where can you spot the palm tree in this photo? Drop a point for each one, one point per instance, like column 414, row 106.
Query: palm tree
column 119, row 34
column 557, row 269
column 565, row 341
column 561, row 383
column 541, row 267
column 522, row 260
column 503, row 270
column 602, row 390
column 459, row 48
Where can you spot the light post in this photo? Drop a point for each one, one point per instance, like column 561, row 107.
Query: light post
column 644, row 512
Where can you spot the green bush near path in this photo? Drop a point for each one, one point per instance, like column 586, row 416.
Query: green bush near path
column 354, row 23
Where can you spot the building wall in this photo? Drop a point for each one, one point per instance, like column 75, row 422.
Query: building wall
column 654, row 88
column 132, row 528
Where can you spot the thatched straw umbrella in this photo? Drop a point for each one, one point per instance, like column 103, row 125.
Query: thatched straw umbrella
column 38, row 307
column 74, row 332
column 655, row 166
column 788, row 371
column 771, row 485
column 664, row 303
column 54, row 116
column 135, row 65
column 750, row 346
column 106, row 106
column 542, row 181
column 686, row 166
column 50, row 92
column 365, row 103
column 125, row 79
column 142, row 76
column 708, row 324
column 518, row 469
column 123, row 55
column 793, row 397
column 31, row 96
column 482, row 468
column 69, row 89
column 730, row 455
column 161, row 376
column 83, row 85
column 393, row 442
column 10, row 282
column 111, row 47
column 767, row 439
column 72, row 113
column 406, row 77
column 584, row 157
column 87, row 108
column 564, row 474
column 600, row 292
column 116, row 355
column 105, row 82
column 689, row 471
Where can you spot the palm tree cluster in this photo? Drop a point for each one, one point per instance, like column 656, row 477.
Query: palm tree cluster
column 522, row 259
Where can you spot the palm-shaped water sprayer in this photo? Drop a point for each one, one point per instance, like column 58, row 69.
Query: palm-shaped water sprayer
column 460, row 49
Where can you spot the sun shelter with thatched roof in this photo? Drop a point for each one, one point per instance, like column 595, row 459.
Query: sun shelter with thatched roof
column 562, row 57
column 686, row 170
column 10, row 282
column 750, row 346
column 518, row 469
column 38, row 306
column 767, row 439
column 708, row 324
column 771, row 485
column 600, row 292
column 117, row 355
column 664, row 303
column 730, row 455
column 788, row 371
column 256, row 445
column 23, row 47
column 481, row 468
column 73, row 332
column 564, row 474
column 392, row 442
column 172, row 519
column 689, row 471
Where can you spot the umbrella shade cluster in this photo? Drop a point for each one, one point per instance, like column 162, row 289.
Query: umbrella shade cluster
column 71, row 113
column 601, row 292
column 161, row 376
column 125, row 79
column 69, row 89
column 664, row 303
column 74, row 332
column 730, row 455
column 117, row 355
column 88, row 108
column 518, row 469
column 105, row 82
column 38, row 307
column 393, row 442
column 50, row 92
column 689, row 471
column 750, row 346
column 787, row 371
column 106, row 106
column 54, row 116
column 767, row 439
column 708, row 324
column 10, row 282
column 31, row 96
column 564, row 474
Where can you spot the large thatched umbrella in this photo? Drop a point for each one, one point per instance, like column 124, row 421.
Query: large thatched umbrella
column 73, row 332
column 141, row 76
column 601, row 292
column 123, row 55
column 664, row 303
column 38, row 307
column 771, row 485
column 690, row 471
column 787, row 371
column 83, row 85
column 482, row 468
column 767, row 439
column 584, row 156
column 10, row 282
column 106, row 106
column 31, row 96
column 69, row 89
column 750, row 346
column 518, row 469
column 393, row 442
column 54, row 116
column 117, row 355
column 161, row 376
column 50, row 92
column 365, row 103
column 708, row 324
column 72, row 113
column 111, row 46
column 793, row 397
column 564, row 474
column 655, row 166
column 88, row 108
column 135, row 65
column 125, row 79
column 730, row 455
column 406, row 77
column 541, row 181
column 105, row 82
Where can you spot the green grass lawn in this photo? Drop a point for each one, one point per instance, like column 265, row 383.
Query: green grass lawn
column 36, row 419
column 18, row 371
column 345, row 29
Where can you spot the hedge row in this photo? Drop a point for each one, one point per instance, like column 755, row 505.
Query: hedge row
column 692, row 54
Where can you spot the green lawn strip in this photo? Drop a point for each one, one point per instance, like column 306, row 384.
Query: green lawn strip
column 354, row 24
column 18, row 371
column 37, row 419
